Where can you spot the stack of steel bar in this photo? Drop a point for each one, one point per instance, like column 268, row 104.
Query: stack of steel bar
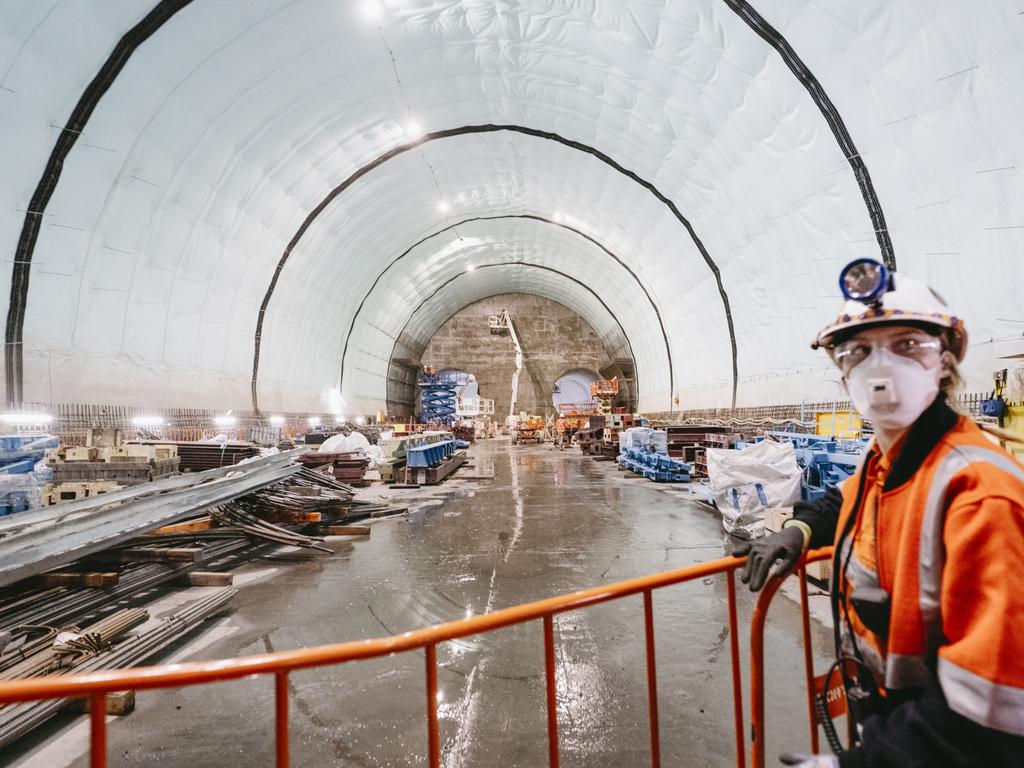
column 34, row 542
column 47, row 654
column 349, row 468
column 196, row 456
column 58, row 606
column 18, row 719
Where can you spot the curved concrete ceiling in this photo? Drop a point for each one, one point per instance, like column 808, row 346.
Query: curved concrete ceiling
column 158, row 164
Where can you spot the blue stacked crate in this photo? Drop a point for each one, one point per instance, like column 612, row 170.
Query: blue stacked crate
column 655, row 466
column 19, row 455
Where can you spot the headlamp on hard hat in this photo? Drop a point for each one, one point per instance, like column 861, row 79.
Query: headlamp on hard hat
column 866, row 281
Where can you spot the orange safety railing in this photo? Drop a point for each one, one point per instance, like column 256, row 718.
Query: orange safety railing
column 95, row 686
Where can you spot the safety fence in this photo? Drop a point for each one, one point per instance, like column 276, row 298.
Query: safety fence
column 96, row 686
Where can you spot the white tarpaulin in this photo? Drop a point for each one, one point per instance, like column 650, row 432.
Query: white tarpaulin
column 746, row 482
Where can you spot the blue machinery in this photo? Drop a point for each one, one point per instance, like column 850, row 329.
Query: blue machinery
column 825, row 461
column 429, row 454
column 655, row 466
column 438, row 395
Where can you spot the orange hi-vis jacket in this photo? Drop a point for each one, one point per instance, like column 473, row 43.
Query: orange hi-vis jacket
column 945, row 539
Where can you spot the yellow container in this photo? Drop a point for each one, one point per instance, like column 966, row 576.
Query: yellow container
column 841, row 424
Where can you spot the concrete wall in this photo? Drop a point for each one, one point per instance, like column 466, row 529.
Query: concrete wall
column 554, row 340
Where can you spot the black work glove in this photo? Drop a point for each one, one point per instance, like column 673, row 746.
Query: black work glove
column 786, row 546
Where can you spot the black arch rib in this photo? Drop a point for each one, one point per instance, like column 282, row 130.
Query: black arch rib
column 490, row 128
column 87, row 102
column 770, row 35
column 529, row 265
column 530, row 217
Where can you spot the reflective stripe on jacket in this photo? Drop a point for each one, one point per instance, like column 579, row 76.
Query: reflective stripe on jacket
column 942, row 531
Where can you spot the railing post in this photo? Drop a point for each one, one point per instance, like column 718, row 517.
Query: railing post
column 737, row 681
column 281, row 718
column 549, row 673
column 652, row 680
column 433, row 735
column 98, row 730
column 757, row 620
column 805, row 610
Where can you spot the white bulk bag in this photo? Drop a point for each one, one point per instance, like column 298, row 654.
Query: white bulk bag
column 747, row 481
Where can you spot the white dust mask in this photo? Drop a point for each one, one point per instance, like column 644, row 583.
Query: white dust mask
column 890, row 390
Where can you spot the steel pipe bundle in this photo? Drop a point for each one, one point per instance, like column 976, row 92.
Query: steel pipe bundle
column 18, row 719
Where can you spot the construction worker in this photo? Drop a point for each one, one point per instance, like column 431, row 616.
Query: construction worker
column 929, row 543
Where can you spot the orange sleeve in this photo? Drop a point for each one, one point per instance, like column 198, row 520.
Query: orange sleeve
column 981, row 659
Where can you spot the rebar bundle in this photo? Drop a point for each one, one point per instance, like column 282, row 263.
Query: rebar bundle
column 18, row 719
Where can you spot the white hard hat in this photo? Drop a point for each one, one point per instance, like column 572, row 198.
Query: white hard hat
column 876, row 297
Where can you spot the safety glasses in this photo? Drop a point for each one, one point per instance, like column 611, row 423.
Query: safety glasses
column 920, row 347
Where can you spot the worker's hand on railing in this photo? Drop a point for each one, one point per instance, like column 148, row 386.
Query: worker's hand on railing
column 786, row 546
column 809, row 761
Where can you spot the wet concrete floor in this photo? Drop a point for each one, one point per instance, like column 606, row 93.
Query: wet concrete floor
column 549, row 522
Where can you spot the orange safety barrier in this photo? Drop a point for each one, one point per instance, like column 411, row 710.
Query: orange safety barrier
column 95, row 686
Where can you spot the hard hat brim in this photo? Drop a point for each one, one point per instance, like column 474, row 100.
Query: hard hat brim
column 953, row 326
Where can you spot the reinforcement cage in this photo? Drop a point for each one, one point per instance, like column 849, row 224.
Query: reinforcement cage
column 95, row 686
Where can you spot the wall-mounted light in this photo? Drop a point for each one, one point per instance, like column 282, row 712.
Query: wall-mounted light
column 277, row 421
column 23, row 418
column 225, row 421
column 147, row 421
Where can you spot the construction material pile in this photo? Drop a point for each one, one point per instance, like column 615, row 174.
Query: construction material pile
column 105, row 464
column 19, row 483
column 348, row 467
column 199, row 456
column 104, row 644
column 39, row 540
column 430, row 459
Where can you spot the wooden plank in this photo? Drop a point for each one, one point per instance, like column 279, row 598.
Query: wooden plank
column 189, row 526
column 118, row 703
column 191, row 554
column 389, row 512
column 207, row 579
column 101, row 580
column 291, row 518
column 345, row 530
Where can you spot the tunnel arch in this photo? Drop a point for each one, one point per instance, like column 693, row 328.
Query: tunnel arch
column 604, row 111
column 525, row 217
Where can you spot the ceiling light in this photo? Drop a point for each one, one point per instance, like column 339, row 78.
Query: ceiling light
column 444, row 206
column 277, row 421
column 372, row 10
column 413, row 129
column 559, row 217
column 313, row 421
column 147, row 421
column 225, row 421
column 470, row 267
column 26, row 418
